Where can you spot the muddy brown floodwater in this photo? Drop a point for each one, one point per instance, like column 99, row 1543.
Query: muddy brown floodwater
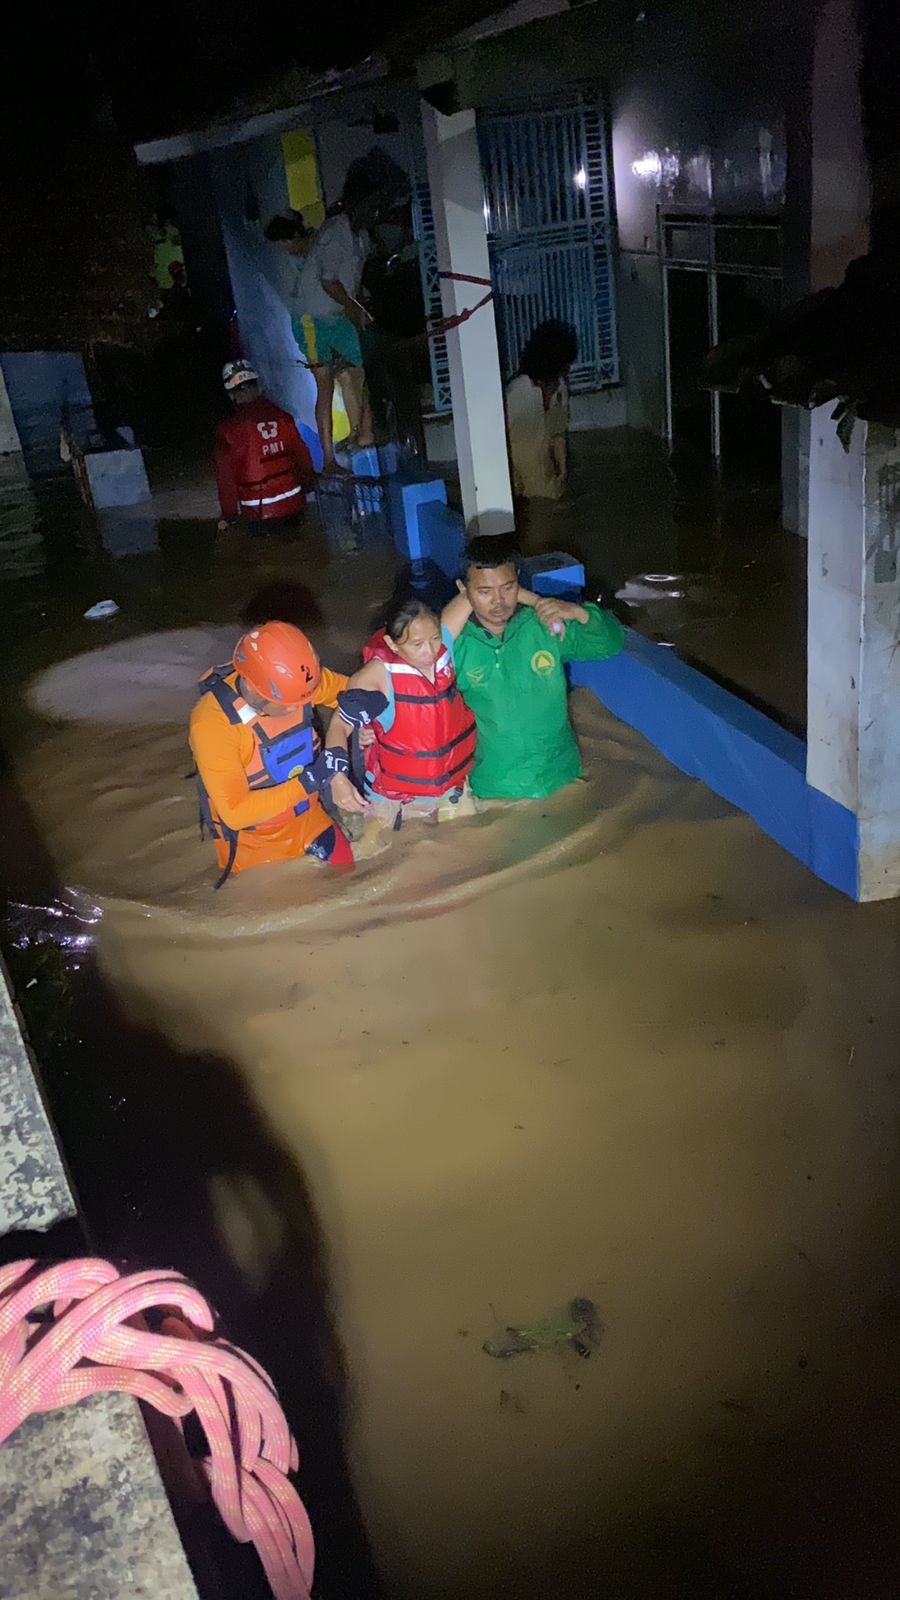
column 615, row 1045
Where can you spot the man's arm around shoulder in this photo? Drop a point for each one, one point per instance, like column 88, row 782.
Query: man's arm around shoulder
column 597, row 638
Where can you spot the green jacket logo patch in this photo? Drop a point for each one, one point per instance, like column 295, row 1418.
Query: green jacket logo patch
column 543, row 663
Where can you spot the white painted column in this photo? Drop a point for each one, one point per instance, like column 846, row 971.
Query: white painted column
column 853, row 751
column 457, row 197
column 853, row 717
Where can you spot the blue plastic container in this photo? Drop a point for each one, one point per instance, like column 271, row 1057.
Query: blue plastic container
column 406, row 493
column 554, row 573
column 442, row 536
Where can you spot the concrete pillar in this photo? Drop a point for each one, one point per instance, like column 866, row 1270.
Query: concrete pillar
column 87, row 1471
column 853, row 738
column 853, row 721
column 457, row 197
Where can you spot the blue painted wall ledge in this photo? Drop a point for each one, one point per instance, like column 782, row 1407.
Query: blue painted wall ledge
column 734, row 749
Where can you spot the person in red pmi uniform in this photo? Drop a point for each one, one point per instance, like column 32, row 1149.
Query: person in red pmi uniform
column 263, row 468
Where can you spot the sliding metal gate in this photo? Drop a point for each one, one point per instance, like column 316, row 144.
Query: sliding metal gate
column 423, row 227
column 548, row 213
column 550, row 232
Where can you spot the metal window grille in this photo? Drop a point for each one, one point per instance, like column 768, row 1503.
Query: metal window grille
column 549, row 215
column 423, row 227
column 550, row 230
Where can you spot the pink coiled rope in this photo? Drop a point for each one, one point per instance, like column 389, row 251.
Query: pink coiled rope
column 89, row 1343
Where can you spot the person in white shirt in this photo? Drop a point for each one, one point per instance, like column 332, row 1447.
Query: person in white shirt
column 327, row 317
column 537, row 412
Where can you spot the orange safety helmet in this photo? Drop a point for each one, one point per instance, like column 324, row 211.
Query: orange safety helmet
column 278, row 661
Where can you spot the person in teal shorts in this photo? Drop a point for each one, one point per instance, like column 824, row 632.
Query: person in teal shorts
column 327, row 318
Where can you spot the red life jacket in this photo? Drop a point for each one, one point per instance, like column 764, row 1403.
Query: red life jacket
column 262, row 465
column 430, row 746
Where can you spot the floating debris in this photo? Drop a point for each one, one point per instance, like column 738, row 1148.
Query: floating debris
column 511, row 1402
column 648, row 587
column 579, row 1326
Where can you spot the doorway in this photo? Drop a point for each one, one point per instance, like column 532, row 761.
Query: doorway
column 721, row 280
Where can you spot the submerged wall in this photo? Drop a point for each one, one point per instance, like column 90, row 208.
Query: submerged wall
column 83, row 1510
column 47, row 392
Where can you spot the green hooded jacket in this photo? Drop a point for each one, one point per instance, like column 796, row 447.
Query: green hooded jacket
column 515, row 684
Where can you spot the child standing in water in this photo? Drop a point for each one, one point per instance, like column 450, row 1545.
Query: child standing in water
column 419, row 763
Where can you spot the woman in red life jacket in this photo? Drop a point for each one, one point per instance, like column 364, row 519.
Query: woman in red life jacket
column 419, row 763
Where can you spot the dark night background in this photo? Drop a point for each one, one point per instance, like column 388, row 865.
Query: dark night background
column 167, row 65
column 171, row 64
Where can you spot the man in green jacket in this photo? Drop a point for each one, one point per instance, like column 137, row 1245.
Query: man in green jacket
column 510, row 649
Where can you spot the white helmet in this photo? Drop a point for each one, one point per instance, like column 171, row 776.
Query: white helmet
column 234, row 373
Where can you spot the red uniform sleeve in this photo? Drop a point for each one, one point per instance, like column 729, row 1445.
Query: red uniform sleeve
column 226, row 474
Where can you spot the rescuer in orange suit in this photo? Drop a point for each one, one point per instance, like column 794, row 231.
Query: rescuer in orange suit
column 262, row 775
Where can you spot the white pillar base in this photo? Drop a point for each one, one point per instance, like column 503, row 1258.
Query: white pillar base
column 853, row 739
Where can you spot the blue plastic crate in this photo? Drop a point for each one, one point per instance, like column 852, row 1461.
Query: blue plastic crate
column 554, row 573
column 406, row 493
column 366, row 463
column 442, row 536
